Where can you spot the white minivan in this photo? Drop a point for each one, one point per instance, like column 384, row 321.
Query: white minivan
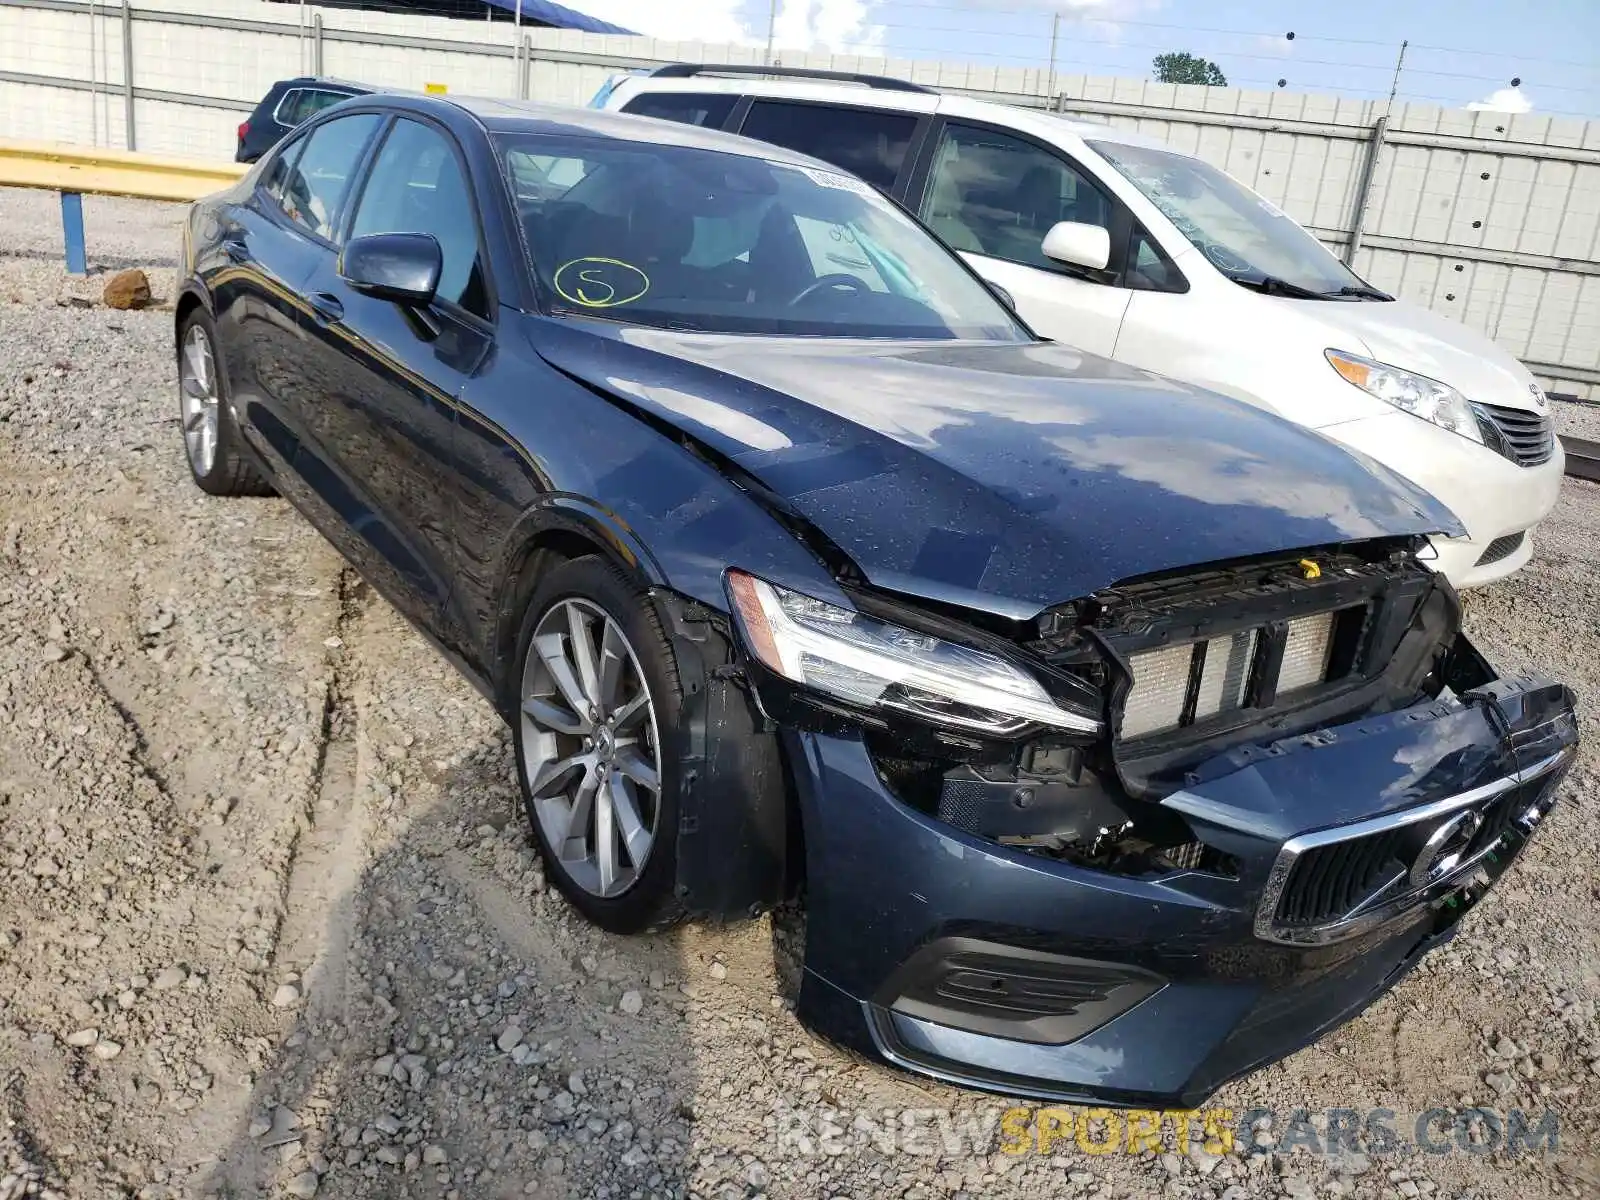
column 1116, row 244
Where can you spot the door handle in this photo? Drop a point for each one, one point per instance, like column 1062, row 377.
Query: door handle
column 328, row 308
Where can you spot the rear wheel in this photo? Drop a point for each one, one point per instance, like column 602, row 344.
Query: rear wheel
column 595, row 732
column 211, row 440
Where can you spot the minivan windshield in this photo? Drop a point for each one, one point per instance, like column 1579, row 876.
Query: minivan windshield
column 1244, row 236
column 682, row 237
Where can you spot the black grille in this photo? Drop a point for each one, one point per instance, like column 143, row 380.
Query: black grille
column 1523, row 437
column 1501, row 547
column 1327, row 882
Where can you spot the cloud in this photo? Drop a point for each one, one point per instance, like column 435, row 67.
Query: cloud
column 842, row 26
column 1506, row 100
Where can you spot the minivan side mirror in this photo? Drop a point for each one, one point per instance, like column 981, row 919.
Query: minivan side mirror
column 1078, row 245
column 402, row 267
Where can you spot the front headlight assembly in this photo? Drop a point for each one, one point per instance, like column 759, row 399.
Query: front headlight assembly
column 1416, row 394
column 873, row 664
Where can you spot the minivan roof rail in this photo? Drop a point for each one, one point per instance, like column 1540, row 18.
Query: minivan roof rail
column 881, row 82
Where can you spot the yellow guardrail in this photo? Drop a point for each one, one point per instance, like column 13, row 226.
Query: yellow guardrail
column 74, row 170
column 111, row 172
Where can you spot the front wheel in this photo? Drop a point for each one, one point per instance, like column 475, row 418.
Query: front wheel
column 598, row 706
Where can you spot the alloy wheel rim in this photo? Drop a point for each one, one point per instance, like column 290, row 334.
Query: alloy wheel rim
column 198, row 388
column 591, row 749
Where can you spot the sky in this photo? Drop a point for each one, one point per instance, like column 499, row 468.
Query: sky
column 1461, row 53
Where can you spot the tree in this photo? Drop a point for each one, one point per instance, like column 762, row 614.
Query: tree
column 1182, row 67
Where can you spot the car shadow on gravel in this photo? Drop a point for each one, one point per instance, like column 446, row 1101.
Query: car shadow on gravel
column 458, row 1031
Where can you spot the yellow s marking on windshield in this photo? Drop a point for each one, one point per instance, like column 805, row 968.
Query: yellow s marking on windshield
column 600, row 282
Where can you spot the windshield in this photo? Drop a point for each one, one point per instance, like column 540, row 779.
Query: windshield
column 686, row 238
column 1244, row 236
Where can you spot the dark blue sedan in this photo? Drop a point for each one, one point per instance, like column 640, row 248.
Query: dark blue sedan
column 1114, row 733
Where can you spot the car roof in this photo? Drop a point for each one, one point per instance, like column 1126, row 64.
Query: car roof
column 330, row 81
column 532, row 116
column 950, row 104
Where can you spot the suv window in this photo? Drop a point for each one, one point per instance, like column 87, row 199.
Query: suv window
column 301, row 104
column 991, row 193
column 313, row 188
column 1149, row 269
column 689, row 108
column 416, row 185
column 871, row 143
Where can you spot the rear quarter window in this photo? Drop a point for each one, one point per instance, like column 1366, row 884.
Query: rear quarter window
column 687, row 108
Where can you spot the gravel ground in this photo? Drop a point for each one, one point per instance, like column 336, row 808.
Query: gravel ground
column 270, row 923
column 1577, row 420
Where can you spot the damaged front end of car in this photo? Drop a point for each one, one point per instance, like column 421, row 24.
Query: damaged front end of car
column 1154, row 837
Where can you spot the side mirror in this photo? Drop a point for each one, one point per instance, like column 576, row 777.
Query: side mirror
column 402, row 267
column 1078, row 245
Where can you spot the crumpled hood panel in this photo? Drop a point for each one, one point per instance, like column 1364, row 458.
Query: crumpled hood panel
column 1002, row 477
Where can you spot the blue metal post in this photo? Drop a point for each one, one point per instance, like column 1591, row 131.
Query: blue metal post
column 72, row 230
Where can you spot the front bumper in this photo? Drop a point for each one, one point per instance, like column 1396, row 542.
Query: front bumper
column 1152, row 990
column 1492, row 496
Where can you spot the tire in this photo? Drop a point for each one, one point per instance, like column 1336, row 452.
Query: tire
column 563, row 751
column 212, row 444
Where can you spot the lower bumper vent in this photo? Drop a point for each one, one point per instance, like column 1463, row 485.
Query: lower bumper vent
column 1501, row 548
column 1009, row 992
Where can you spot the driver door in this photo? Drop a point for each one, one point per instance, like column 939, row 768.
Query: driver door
column 993, row 196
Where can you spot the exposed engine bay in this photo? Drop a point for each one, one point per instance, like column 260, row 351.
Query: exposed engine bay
column 1187, row 669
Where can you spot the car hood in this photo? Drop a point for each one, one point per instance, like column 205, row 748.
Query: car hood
column 1410, row 337
column 1002, row 477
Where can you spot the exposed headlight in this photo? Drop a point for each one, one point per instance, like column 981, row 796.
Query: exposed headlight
column 1416, row 394
column 873, row 664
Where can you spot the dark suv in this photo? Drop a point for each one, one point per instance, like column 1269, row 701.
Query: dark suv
column 287, row 103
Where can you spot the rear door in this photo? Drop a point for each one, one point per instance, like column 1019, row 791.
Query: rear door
column 992, row 195
column 381, row 406
column 878, row 144
column 269, row 246
column 287, row 232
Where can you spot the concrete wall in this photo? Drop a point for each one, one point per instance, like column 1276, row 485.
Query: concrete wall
column 1488, row 218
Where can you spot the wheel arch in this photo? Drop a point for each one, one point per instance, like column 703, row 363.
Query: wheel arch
column 190, row 298
column 737, row 817
column 558, row 529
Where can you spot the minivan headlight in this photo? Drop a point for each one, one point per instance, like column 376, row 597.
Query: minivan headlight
column 867, row 662
column 1416, row 394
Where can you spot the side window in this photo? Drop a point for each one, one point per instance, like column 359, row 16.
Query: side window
column 314, row 187
column 871, row 143
column 416, row 186
column 710, row 111
column 991, row 193
column 277, row 172
column 301, row 104
column 1149, row 268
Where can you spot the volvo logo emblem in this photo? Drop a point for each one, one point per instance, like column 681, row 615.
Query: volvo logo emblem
column 1445, row 848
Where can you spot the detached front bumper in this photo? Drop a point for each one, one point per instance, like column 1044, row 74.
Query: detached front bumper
column 962, row 959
